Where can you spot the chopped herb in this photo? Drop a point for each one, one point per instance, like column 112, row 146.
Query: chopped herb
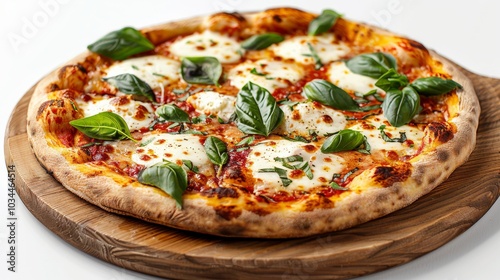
column 314, row 55
column 281, row 173
column 336, row 186
column 386, row 138
column 246, row 141
column 189, row 164
column 255, row 72
column 147, row 142
column 135, row 67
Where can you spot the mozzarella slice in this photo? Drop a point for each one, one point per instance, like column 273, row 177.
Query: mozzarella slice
column 213, row 103
column 268, row 74
column 156, row 70
column 341, row 76
column 305, row 118
column 297, row 48
column 208, row 43
column 174, row 148
column 135, row 113
column 263, row 156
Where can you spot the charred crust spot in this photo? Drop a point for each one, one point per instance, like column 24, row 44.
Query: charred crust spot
column 302, row 224
column 442, row 155
column 388, row 175
column 227, row 212
column 81, row 68
column 53, row 87
column 320, row 203
column 42, row 107
column 221, row 193
column 441, row 131
column 231, row 231
column 417, row 45
column 277, row 18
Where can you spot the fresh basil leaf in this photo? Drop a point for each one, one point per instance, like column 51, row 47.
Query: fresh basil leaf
column 131, row 84
column 121, row 44
column 216, row 151
column 323, row 22
column 400, row 106
column 257, row 110
column 104, row 126
column 172, row 113
column 344, row 140
column 189, row 164
column 329, row 94
column 386, row 138
column 304, row 166
column 289, row 159
column 317, row 60
column 352, row 171
column 434, row 86
column 337, row 187
column 246, row 141
column 282, row 173
column 257, row 73
column 365, row 147
column 167, row 176
column 201, row 70
column 261, row 41
column 392, row 80
column 373, row 65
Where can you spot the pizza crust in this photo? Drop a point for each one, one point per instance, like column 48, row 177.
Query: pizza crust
column 128, row 197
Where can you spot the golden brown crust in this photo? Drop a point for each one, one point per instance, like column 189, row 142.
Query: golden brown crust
column 375, row 192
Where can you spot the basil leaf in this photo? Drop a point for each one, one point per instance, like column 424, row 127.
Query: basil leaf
column 344, row 140
column 329, row 94
column 289, row 159
column 257, row 110
column 103, row 126
column 434, row 86
column 172, row 113
column 304, row 166
column 337, row 187
column 216, row 151
column 261, row 41
column 201, row 70
column 323, row 22
column 373, row 65
column 392, row 80
column 317, row 60
column 131, row 84
column 386, row 138
column 167, row 176
column 282, row 173
column 401, row 106
column 121, row 44
column 189, row 164
column 246, row 141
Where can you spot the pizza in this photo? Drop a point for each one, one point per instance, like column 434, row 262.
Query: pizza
column 275, row 124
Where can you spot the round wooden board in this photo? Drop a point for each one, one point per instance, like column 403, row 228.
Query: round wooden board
column 395, row 239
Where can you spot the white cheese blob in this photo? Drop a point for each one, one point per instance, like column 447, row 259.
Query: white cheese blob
column 208, row 43
column 156, row 70
column 136, row 114
column 213, row 103
column 297, row 48
column 369, row 128
column 267, row 74
column 341, row 76
column 175, row 148
column 308, row 117
column 262, row 157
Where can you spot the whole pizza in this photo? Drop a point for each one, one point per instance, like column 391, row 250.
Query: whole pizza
column 275, row 124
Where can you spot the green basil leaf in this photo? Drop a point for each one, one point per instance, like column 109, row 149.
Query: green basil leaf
column 373, row 65
column 304, row 166
column 392, row 80
column 329, row 94
column 104, row 126
column 201, row 70
column 261, row 41
column 317, row 60
column 344, row 140
column 386, row 138
column 289, row 159
column 400, row 106
column 167, row 176
column 172, row 113
column 337, row 187
column 121, row 44
column 323, row 22
column 131, row 84
column 257, row 110
column 282, row 173
column 216, row 151
column 189, row 164
column 434, row 86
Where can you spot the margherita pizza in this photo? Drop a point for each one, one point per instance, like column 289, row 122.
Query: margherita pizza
column 274, row 124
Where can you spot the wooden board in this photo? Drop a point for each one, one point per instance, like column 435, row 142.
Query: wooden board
column 395, row 239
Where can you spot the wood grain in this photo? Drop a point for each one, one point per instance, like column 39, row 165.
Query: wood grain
column 407, row 234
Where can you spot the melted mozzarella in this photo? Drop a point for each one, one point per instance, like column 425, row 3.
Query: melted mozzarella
column 271, row 74
column 309, row 117
column 135, row 113
column 262, row 156
column 208, row 43
column 156, row 70
column 213, row 103
column 369, row 128
column 341, row 76
column 297, row 48
column 174, row 148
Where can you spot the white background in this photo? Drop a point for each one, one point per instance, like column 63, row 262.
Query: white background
column 38, row 35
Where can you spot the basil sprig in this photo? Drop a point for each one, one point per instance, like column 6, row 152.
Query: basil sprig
column 131, row 84
column 373, row 65
column 434, row 86
column 329, row 94
column 216, row 151
column 392, row 80
column 323, row 22
column 261, row 41
column 167, row 176
column 344, row 140
column 257, row 110
column 201, row 70
column 400, row 106
column 121, row 44
column 172, row 113
column 104, row 126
